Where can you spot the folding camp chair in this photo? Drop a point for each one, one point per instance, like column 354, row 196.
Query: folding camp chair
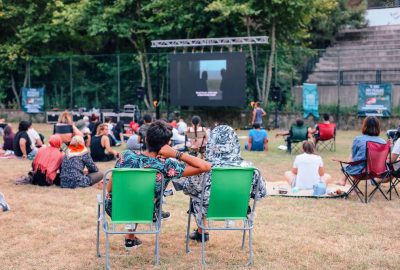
column 326, row 137
column 191, row 137
column 296, row 136
column 374, row 167
column 229, row 200
column 395, row 179
column 132, row 203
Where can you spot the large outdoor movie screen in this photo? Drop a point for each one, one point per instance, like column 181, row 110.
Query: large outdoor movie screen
column 208, row 79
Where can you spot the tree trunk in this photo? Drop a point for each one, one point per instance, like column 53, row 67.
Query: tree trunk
column 267, row 77
column 14, row 88
column 147, row 69
column 148, row 102
column 253, row 62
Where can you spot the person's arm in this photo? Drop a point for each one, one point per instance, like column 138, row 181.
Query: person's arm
column 263, row 112
column 321, row 171
column 266, row 144
column 121, row 136
column 194, row 165
column 294, row 171
column 254, row 116
column 76, row 131
column 22, row 146
column 90, row 165
column 38, row 143
column 105, row 142
column 282, row 133
column 250, row 142
column 393, row 157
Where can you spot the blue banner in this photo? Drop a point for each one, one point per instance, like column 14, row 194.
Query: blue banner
column 310, row 100
column 32, row 100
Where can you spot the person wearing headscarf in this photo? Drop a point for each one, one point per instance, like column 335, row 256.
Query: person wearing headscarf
column 222, row 150
column 47, row 162
column 76, row 159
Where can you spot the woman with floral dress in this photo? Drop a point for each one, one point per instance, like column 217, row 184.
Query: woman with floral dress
column 222, row 150
column 160, row 156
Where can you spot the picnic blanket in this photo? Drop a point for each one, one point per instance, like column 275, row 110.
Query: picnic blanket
column 6, row 155
column 331, row 191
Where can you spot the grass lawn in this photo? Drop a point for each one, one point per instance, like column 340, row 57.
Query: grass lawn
column 53, row 228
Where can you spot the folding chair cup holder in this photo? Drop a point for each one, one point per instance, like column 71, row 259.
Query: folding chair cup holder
column 132, row 203
column 375, row 166
column 229, row 200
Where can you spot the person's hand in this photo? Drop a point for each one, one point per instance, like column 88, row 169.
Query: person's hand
column 167, row 151
column 24, row 156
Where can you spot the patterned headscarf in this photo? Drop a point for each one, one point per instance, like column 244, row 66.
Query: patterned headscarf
column 76, row 147
column 223, row 147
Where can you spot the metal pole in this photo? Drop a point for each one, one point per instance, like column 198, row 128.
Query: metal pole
column 158, row 85
column 255, row 93
column 118, row 84
column 338, row 88
column 70, row 83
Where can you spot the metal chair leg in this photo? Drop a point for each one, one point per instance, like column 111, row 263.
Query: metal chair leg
column 188, row 227
column 98, row 232
column 366, row 190
column 157, row 249
column 107, row 255
column 203, row 260
column 250, row 263
column 244, row 234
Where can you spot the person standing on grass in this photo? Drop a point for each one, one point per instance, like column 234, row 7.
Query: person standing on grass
column 160, row 156
column 258, row 114
column 308, row 169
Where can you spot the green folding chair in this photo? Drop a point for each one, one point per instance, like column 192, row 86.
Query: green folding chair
column 296, row 137
column 229, row 200
column 132, row 203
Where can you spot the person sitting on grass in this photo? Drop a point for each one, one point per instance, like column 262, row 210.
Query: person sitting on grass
column 308, row 169
column 100, row 148
column 258, row 139
column 8, row 138
column 66, row 128
column 47, row 162
column 160, row 156
column 22, row 144
column 370, row 133
column 76, row 159
column 223, row 150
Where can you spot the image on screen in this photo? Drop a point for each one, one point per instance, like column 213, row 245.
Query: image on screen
column 208, row 79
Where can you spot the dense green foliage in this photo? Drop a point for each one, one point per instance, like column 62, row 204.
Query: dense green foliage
column 96, row 49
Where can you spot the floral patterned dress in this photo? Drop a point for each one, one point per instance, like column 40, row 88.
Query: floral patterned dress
column 222, row 150
column 167, row 169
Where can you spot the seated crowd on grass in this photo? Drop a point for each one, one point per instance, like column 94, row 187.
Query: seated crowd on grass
column 69, row 159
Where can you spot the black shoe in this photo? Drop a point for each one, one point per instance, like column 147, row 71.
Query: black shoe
column 132, row 244
column 196, row 236
column 164, row 216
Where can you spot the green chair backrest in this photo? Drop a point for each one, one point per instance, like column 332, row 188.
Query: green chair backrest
column 133, row 195
column 230, row 193
column 299, row 133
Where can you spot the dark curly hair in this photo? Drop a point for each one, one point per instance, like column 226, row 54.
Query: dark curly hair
column 158, row 135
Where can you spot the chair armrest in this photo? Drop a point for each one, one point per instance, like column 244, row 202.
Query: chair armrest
column 349, row 163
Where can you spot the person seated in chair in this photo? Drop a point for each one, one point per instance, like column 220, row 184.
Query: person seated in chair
column 160, row 156
column 292, row 133
column 324, row 124
column 76, row 159
column 223, row 150
column 370, row 133
column 308, row 169
column 258, row 139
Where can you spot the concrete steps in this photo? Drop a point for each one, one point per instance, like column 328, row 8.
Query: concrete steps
column 359, row 53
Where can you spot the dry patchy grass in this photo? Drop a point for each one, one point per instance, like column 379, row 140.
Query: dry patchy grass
column 52, row 228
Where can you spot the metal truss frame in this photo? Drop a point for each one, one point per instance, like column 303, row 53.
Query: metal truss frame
column 202, row 42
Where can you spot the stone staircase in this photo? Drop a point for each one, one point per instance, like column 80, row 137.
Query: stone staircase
column 370, row 55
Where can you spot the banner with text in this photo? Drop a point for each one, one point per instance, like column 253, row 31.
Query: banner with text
column 374, row 99
column 310, row 100
column 32, row 100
